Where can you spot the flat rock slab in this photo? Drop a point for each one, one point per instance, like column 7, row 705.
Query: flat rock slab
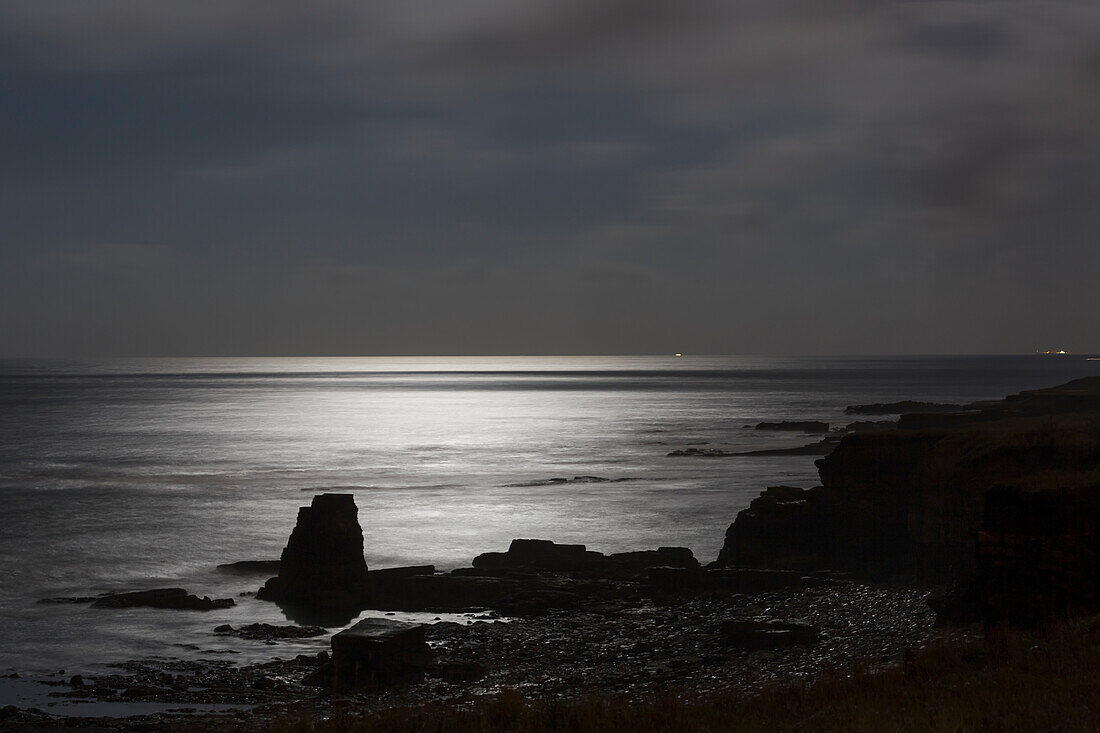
column 379, row 651
column 171, row 598
column 251, row 567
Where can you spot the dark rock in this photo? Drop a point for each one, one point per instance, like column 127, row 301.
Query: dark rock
column 172, row 598
column 322, row 570
column 140, row 691
column 804, row 426
column 956, row 606
column 439, row 592
column 863, row 426
column 674, row 580
column 821, row 448
column 70, row 599
column 1038, row 560
column 462, row 672
column 537, row 601
column 538, row 555
column 251, row 567
column 76, row 681
column 386, row 574
column 755, row 580
column 755, row 634
column 270, row 632
column 699, row 453
column 1002, row 499
column 379, row 651
column 898, row 408
column 672, row 557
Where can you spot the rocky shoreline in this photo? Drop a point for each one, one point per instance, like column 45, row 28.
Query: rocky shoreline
column 995, row 502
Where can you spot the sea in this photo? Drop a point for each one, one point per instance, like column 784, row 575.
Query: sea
column 119, row 475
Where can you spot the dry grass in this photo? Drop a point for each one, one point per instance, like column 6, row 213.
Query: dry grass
column 1006, row 681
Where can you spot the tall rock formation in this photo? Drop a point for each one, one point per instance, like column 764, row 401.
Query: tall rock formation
column 322, row 570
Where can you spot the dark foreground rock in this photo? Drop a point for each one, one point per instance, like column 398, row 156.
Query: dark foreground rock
column 171, row 598
column 633, row 650
column 378, row 652
column 322, row 570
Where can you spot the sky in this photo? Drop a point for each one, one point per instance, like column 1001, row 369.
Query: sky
column 408, row 177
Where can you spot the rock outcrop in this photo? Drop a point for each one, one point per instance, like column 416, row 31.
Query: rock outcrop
column 801, row 426
column 1003, row 501
column 170, row 598
column 543, row 555
column 322, row 570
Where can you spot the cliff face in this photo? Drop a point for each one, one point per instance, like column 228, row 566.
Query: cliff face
column 1004, row 501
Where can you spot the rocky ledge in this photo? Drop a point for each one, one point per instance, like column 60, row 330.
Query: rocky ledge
column 1003, row 500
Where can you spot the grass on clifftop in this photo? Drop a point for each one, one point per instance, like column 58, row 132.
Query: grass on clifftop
column 1007, row 681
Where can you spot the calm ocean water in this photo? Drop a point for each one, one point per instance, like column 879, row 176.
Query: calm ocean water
column 121, row 475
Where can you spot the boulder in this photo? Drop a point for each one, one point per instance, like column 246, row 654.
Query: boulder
column 322, row 570
column 171, row 598
column 378, row 652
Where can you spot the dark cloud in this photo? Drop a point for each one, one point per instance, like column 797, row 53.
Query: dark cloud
column 359, row 177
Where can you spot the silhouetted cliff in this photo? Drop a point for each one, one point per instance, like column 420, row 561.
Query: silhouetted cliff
column 1003, row 500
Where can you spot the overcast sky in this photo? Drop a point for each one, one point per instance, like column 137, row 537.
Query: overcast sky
column 236, row 177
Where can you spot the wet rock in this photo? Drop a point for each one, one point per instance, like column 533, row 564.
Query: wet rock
column 804, row 426
column 538, row 601
column 388, row 574
column 170, row 598
column 820, row 448
column 76, row 681
column 270, row 632
column 322, row 569
column 757, row 634
column 379, row 651
column 251, row 567
column 863, row 426
column 669, row 557
column 462, row 672
column 699, row 453
column 674, row 580
column 69, row 599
